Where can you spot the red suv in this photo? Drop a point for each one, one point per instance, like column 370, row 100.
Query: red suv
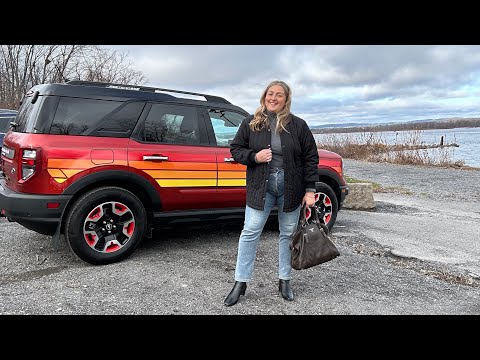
column 105, row 163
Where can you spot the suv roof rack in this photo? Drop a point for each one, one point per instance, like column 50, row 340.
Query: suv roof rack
column 207, row 97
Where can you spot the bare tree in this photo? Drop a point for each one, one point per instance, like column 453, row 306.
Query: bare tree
column 22, row 66
column 106, row 65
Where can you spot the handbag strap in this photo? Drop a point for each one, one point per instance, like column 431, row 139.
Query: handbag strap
column 301, row 220
column 319, row 214
column 319, row 220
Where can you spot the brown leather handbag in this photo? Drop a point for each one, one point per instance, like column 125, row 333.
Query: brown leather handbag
column 311, row 244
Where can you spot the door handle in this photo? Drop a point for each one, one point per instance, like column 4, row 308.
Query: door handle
column 154, row 157
column 229, row 160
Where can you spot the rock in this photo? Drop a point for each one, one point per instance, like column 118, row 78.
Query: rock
column 360, row 197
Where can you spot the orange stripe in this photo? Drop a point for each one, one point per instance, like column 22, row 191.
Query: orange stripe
column 56, row 173
column 186, row 182
column 231, row 167
column 79, row 163
column 70, row 173
column 173, row 165
column 170, row 174
column 231, row 175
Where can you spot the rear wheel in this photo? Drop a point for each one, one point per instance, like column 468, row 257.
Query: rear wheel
column 105, row 225
column 327, row 204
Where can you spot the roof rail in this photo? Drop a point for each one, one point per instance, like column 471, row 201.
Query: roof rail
column 146, row 88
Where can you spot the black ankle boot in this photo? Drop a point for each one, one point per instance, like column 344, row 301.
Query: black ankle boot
column 285, row 289
column 238, row 289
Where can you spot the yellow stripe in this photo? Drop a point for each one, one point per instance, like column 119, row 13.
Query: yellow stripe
column 186, row 183
column 70, row 173
column 56, row 173
column 60, row 180
column 170, row 174
column 232, row 182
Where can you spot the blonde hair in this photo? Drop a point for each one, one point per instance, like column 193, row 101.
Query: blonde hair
column 260, row 119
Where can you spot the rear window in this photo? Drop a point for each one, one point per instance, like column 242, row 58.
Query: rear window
column 75, row 116
column 25, row 119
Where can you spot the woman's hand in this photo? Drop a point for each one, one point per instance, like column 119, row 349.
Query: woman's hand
column 263, row 156
column 309, row 199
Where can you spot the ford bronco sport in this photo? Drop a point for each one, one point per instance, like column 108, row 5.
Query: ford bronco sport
column 105, row 163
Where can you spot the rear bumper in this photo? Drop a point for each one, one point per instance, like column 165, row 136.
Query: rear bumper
column 31, row 210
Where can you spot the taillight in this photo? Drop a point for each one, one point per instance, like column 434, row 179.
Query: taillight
column 29, row 158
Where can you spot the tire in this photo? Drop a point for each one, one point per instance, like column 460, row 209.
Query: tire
column 327, row 204
column 105, row 225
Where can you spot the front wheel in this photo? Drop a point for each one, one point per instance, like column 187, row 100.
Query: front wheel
column 327, row 204
column 105, row 225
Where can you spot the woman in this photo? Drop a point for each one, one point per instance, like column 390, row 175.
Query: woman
column 281, row 156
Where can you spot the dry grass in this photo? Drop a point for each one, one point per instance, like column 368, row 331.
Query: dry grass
column 377, row 188
column 408, row 149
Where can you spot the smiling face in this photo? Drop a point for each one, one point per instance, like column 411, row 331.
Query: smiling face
column 275, row 98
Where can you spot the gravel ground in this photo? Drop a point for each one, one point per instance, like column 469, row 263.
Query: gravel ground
column 190, row 270
column 430, row 182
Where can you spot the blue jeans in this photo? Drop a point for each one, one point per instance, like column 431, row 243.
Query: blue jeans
column 252, row 229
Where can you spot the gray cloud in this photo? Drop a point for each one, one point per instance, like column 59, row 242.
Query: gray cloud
column 330, row 84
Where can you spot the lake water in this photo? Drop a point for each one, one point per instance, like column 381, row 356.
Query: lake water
column 468, row 140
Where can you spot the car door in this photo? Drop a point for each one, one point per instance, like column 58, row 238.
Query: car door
column 171, row 150
column 231, row 176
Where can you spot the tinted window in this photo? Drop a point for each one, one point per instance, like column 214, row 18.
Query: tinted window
column 5, row 123
column 5, row 119
column 24, row 118
column 172, row 124
column 76, row 116
column 225, row 125
column 121, row 121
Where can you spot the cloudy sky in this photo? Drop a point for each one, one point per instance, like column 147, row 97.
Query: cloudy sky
column 330, row 83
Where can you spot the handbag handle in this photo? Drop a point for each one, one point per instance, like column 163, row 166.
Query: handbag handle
column 302, row 220
column 319, row 220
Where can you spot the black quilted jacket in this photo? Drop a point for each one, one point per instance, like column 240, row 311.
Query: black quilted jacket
column 300, row 160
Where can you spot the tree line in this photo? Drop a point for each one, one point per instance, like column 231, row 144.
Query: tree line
column 23, row 66
column 422, row 125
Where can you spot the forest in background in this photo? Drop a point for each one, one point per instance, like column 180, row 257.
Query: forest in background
column 413, row 125
column 23, row 66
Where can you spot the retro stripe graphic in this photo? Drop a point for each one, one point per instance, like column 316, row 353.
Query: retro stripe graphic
column 171, row 174
column 232, row 175
column 62, row 169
